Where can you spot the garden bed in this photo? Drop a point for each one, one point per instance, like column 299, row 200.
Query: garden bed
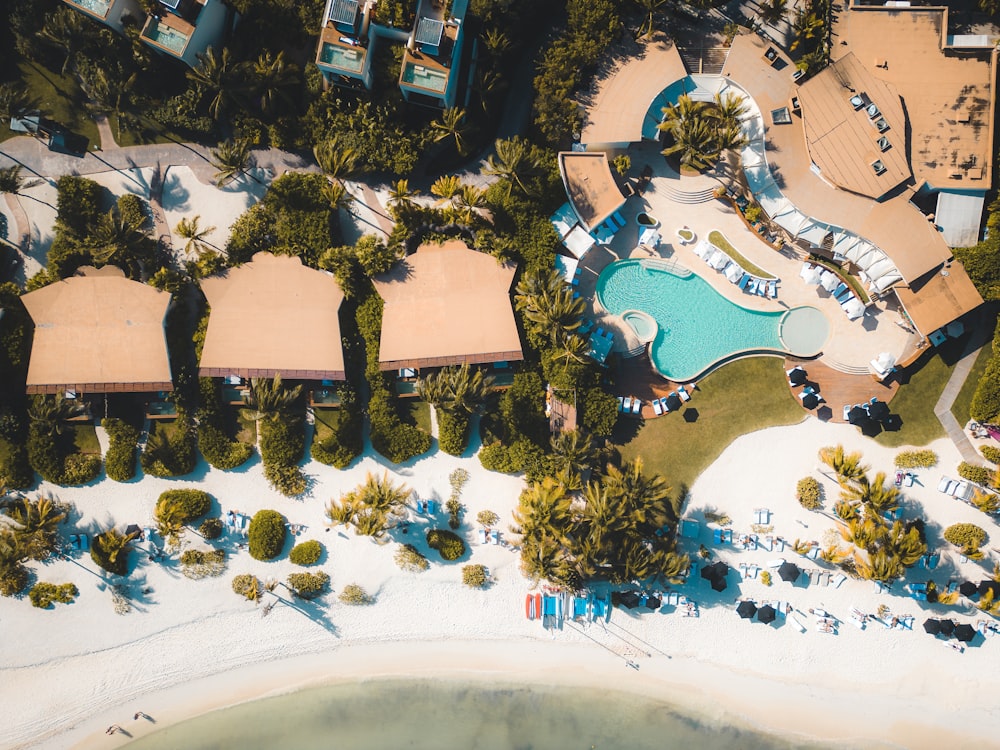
column 718, row 239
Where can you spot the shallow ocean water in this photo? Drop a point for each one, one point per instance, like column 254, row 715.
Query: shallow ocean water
column 439, row 714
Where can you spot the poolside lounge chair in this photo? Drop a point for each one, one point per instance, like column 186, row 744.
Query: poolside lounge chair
column 837, row 580
column 797, row 623
column 772, row 289
column 482, row 536
column 751, row 287
column 657, row 408
column 626, row 404
column 841, row 288
column 761, row 288
column 744, row 281
column 636, row 405
column 495, row 536
column 685, row 396
column 664, row 404
column 943, row 484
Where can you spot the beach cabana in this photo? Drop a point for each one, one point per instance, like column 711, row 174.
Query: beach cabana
column 98, row 332
column 270, row 316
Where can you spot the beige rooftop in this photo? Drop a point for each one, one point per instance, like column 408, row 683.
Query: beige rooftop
column 273, row 315
column 948, row 92
column 622, row 98
column 97, row 333
column 940, row 298
column 446, row 305
column 843, row 139
column 592, row 189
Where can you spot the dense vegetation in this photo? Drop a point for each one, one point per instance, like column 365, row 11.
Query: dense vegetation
column 280, row 415
column 371, row 506
column 51, row 448
column 306, row 553
column 119, row 463
column 32, row 535
column 215, row 441
column 266, row 535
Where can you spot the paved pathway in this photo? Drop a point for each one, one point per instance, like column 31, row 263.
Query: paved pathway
column 942, row 410
column 108, row 142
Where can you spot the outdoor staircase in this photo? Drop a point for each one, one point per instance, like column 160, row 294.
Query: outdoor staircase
column 684, row 196
column 840, row 367
column 635, row 351
column 704, row 60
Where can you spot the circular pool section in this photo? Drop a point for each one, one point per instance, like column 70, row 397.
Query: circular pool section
column 696, row 326
column 643, row 325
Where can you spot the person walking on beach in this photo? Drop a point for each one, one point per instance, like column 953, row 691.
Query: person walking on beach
column 141, row 715
column 113, row 729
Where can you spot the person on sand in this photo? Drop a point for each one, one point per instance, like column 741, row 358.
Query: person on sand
column 141, row 715
column 113, row 729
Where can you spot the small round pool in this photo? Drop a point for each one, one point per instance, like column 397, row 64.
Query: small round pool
column 696, row 327
column 644, row 326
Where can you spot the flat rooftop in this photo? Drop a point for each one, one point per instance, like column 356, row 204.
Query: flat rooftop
column 948, row 92
column 855, row 128
column 98, row 332
column 273, row 315
column 447, row 305
column 591, row 187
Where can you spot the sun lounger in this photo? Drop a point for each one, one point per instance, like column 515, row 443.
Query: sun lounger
column 882, row 588
column 772, row 289
column 663, row 403
column 762, row 516
column 683, row 394
column 837, row 580
column 841, row 288
column 627, row 404
column 774, row 564
column 482, row 536
column 495, row 536
column 766, row 542
column 961, row 490
column 797, row 623
column 751, row 288
column 657, row 408
column 621, row 406
column 857, row 619
column 744, row 281
column 636, row 406
column 761, row 288
column 943, row 484
column 813, row 553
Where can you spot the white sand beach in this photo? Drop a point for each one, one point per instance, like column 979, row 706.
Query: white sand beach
column 192, row 646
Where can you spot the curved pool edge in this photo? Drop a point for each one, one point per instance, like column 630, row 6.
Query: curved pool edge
column 808, row 353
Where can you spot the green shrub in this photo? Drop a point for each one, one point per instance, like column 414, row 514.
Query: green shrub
column 975, row 474
column 79, row 468
column 453, row 432
column 306, row 553
column 43, row 454
column 987, row 502
column 282, row 445
column 487, row 518
column 919, row 459
column 13, row 579
column 248, row 586
column 110, row 552
column 600, row 411
column 211, row 528
column 182, row 506
column 991, row 454
column 308, row 585
column 119, row 462
column 475, row 576
column 355, row 595
column 347, row 442
column 43, row 595
column 966, row 536
column 15, row 468
column 448, row 544
column 985, row 406
column 455, row 508
column 409, row 558
column 197, row 564
column 765, row 577
column 266, row 535
column 288, row 480
column 808, row 492
column 170, row 455
column 219, row 451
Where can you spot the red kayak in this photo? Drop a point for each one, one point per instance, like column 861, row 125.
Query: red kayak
column 529, row 607
column 538, row 606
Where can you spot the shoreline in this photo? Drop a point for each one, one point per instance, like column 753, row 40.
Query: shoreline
column 684, row 684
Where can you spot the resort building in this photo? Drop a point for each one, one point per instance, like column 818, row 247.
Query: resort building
column 879, row 163
column 97, row 333
column 111, row 13
column 447, row 305
column 594, row 200
column 432, row 58
column 184, row 29
column 273, row 316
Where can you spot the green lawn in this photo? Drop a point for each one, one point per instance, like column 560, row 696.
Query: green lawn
column 247, row 427
column 718, row 239
column 415, row 411
column 151, row 132
column 914, row 402
column 741, row 397
column 59, row 98
column 963, row 401
column 85, row 439
column 326, row 422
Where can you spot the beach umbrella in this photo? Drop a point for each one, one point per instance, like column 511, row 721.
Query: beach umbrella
column 719, row 584
column 870, row 428
column 133, row 530
column 766, row 614
column 892, row 423
column 630, row 599
column 947, row 627
column 810, row 274
column 824, row 413
column 797, row 376
column 746, row 609
column 965, row 632
column 653, row 601
column 879, row 410
column 718, row 570
column 857, row 414
column 673, row 401
column 789, row 572
column 829, row 281
column 968, row 588
column 690, row 414
column 932, row 626
column 810, row 401
column 993, row 586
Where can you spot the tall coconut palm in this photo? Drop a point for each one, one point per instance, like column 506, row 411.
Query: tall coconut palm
column 190, row 230
column 646, row 497
column 337, row 196
column 114, row 543
column 847, row 466
column 877, row 495
column 574, row 450
column 469, row 199
column 274, row 81
column 906, row 544
column 231, row 159
column 12, row 181
column 456, row 389
column 218, row 80
column 693, row 143
column 649, row 9
column 772, row 11
column 451, row 125
column 446, row 187
column 50, row 414
column 881, row 566
column 270, row 400
column 513, row 162
column 805, row 27
column 65, row 30
column 543, row 510
column 116, row 239
column 496, row 43
column 334, row 158
column 547, row 305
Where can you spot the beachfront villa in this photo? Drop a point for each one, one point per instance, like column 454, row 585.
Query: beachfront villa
column 873, row 168
column 98, row 333
column 431, row 60
column 447, row 305
column 111, row 13
column 274, row 316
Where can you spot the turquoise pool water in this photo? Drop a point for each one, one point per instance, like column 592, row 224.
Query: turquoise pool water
column 698, row 327
column 424, row 77
column 165, row 36
column 342, row 58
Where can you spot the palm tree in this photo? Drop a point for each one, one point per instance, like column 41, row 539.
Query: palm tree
column 382, row 493
column 273, row 80
column 547, row 305
column 217, row 79
column 113, row 543
column 470, row 198
column 878, row 496
column 694, row 143
column 570, row 348
column 881, row 566
column 270, row 401
column 337, row 196
column 456, row 389
column 400, row 197
column 496, row 43
column 51, row 413
column 335, row 159
column 805, row 26
column 650, row 8
column 450, row 125
column 116, row 239
column 340, row 511
column 574, row 450
column 772, row 11
column 170, row 521
column 14, row 101
column 646, row 497
column 231, row 159
column 11, row 180
column 847, row 466
column 513, row 162
column 195, row 235
column 540, row 520
column 446, row 187
column 370, row 505
column 38, row 521
column 65, row 30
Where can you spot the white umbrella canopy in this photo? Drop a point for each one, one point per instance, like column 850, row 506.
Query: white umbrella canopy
column 810, row 274
column 854, row 308
column 733, row 272
column 829, row 281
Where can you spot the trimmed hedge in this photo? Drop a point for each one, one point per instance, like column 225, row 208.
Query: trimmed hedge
column 266, row 535
column 808, row 493
column 919, row 459
column 43, row 595
column 16, row 472
column 985, row 406
column 171, row 456
column 448, row 544
column 966, row 536
column 308, row 585
column 347, row 441
column 215, row 445
column 306, row 553
column 211, row 528
column 975, row 474
column 119, row 463
column 183, row 505
column 282, row 445
column 54, row 465
column 991, row 454
column 13, row 579
column 197, row 564
column 600, row 411
column 453, row 431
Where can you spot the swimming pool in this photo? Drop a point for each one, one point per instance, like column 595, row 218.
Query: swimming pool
column 698, row 327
